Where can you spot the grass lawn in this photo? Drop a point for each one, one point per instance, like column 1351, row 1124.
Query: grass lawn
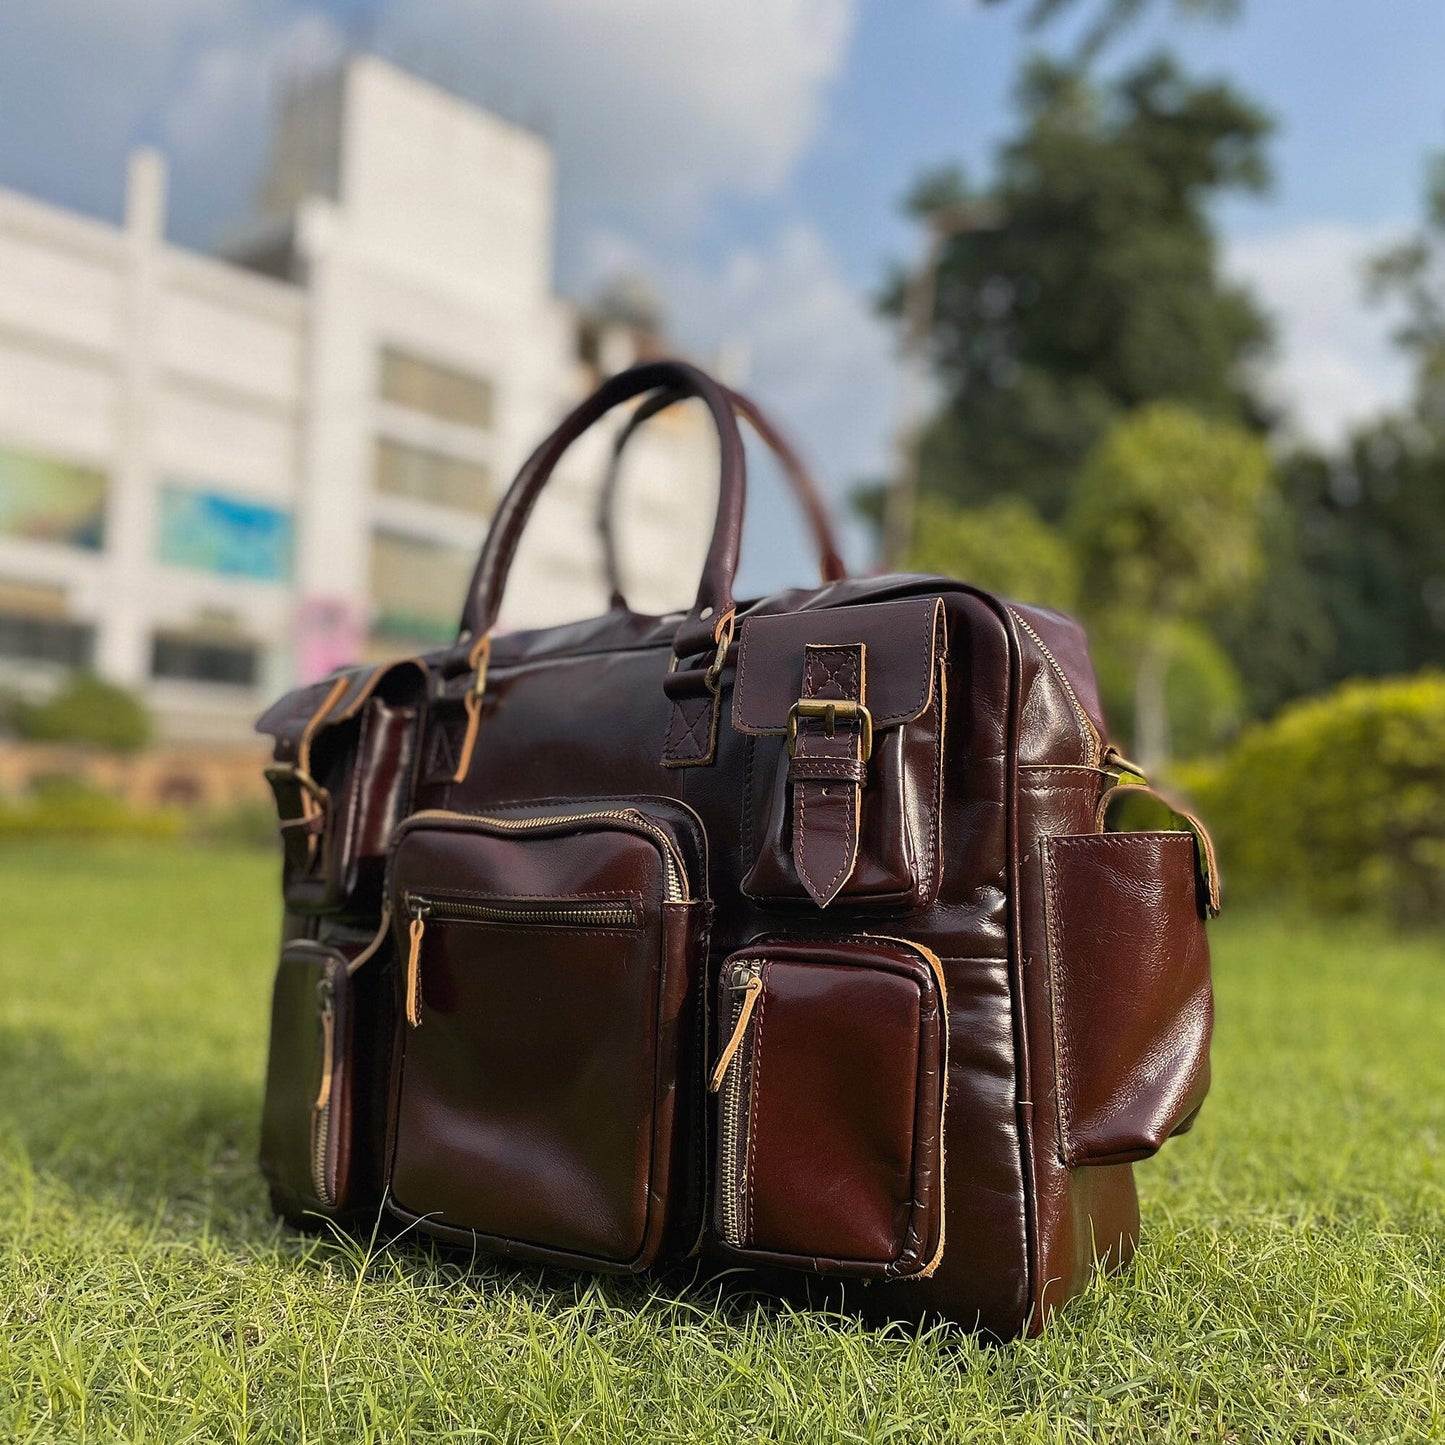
column 1291, row 1285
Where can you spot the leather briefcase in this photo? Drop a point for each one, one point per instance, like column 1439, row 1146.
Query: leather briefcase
column 789, row 934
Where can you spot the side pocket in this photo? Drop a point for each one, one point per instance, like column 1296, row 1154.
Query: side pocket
column 341, row 784
column 830, row 1074
column 316, row 1151
column 1131, row 1004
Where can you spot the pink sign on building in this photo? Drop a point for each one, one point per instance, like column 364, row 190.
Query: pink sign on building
column 330, row 633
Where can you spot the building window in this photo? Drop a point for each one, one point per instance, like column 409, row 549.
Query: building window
column 438, row 391
column 189, row 658
column 44, row 500
column 218, row 533
column 417, row 588
column 46, row 639
column 431, row 476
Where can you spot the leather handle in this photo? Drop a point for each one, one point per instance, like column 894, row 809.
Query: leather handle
column 831, row 567
column 715, row 590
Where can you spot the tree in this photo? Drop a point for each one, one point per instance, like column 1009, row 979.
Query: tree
column 1116, row 16
column 1098, row 289
column 1004, row 546
column 1356, row 557
column 1166, row 521
column 1414, row 275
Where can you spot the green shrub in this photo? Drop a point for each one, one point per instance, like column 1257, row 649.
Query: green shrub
column 86, row 710
column 1339, row 800
column 67, row 808
column 241, row 825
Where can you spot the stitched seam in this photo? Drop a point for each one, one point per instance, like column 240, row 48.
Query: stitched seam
column 631, row 896
column 363, row 741
column 930, row 882
column 883, row 720
column 850, row 841
column 1119, row 840
column 749, row 850
column 849, row 655
column 621, row 929
column 846, row 768
column 1062, row 1057
column 755, row 1095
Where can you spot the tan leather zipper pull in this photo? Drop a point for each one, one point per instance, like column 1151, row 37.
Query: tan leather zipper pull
column 413, row 973
column 328, row 1048
column 753, row 991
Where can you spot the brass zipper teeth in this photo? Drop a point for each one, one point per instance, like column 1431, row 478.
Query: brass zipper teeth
column 734, row 1101
column 1090, row 731
column 321, row 1112
column 675, row 872
column 615, row 915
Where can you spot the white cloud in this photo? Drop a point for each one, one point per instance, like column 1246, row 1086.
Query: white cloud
column 655, row 105
column 1335, row 365
column 816, row 356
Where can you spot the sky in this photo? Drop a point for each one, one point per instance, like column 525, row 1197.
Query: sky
column 748, row 158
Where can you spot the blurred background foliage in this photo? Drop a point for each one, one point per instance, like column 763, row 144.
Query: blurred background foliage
column 1265, row 616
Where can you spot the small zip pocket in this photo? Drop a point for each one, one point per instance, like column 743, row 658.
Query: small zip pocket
column 829, row 1077
column 549, row 1053
column 315, row 1152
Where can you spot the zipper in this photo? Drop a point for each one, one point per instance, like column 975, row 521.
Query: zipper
column 506, row 912
column 674, row 869
column 321, row 1109
column 1090, row 731
column 522, row 911
column 731, row 1077
column 675, row 885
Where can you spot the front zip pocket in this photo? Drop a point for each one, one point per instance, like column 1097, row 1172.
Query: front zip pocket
column 550, row 1050
column 829, row 1079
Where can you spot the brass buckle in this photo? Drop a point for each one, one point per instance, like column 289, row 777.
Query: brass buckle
column 309, row 788
column 723, row 636
column 830, row 710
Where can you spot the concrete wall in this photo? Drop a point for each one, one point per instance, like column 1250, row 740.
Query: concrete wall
column 420, row 223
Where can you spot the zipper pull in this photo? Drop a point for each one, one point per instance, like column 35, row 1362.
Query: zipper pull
column 752, row 986
column 327, row 991
column 413, row 965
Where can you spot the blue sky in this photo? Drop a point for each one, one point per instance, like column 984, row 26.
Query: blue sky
column 749, row 157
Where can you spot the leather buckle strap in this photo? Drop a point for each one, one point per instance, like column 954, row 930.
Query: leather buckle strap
column 304, row 809
column 693, row 702
column 830, row 739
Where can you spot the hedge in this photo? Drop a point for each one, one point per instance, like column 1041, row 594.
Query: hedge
column 1338, row 801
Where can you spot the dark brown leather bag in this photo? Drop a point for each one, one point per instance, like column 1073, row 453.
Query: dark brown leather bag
column 789, row 933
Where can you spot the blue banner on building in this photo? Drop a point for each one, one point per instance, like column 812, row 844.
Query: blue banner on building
column 224, row 534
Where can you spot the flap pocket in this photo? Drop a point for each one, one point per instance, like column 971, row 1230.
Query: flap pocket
column 830, row 1076
column 549, row 1064
column 844, row 708
column 1130, row 996
column 342, row 780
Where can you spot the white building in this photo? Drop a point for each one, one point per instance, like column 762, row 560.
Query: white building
column 217, row 478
